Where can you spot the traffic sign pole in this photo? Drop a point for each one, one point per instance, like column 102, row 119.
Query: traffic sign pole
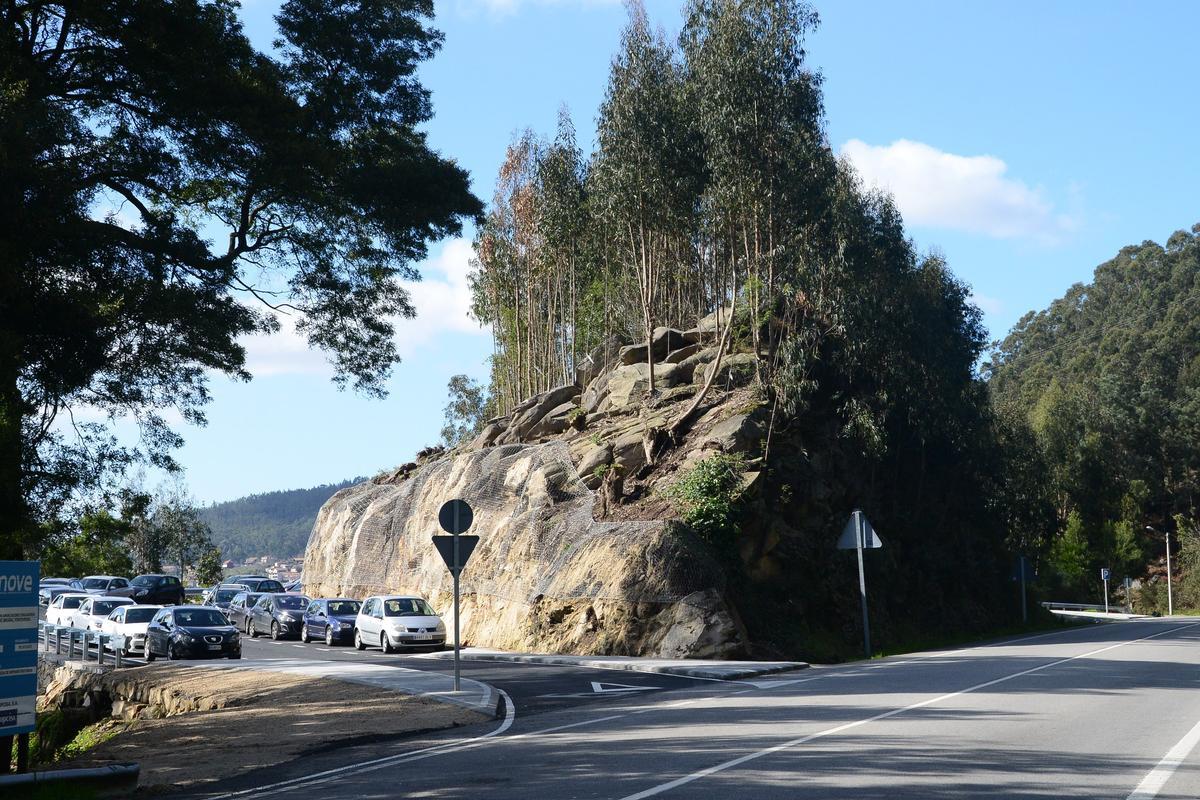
column 1024, row 611
column 457, row 570
column 862, row 583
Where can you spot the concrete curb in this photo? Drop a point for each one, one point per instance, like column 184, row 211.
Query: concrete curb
column 708, row 670
column 113, row 780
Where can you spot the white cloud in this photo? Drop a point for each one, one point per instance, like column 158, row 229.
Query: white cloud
column 442, row 300
column 974, row 194
column 989, row 305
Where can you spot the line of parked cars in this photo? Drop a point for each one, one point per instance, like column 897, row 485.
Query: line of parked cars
column 251, row 605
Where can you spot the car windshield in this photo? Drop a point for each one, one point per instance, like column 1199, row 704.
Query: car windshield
column 407, row 607
column 344, row 607
column 140, row 614
column 269, row 586
column 224, row 595
column 145, row 580
column 95, row 583
column 73, row 602
column 200, row 618
column 291, row 601
column 104, row 607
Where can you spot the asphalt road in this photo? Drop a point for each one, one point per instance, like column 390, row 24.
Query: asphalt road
column 1106, row 711
column 534, row 688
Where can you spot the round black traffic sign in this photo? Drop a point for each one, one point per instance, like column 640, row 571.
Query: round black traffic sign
column 455, row 516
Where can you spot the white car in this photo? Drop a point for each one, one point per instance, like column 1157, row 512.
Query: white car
column 130, row 621
column 393, row 621
column 62, row 607
column 102, row 584
column 93, row 611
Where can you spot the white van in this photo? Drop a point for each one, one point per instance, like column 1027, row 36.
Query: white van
column 394, row 621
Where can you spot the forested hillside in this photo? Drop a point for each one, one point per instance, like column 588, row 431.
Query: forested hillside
column 272, row 523
column 713, row 188
column 1105, row 384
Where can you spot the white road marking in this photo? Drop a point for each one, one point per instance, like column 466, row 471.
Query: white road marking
column 735, row 762
column 316, row 779
column 1157, row 778
column 302, row 647
column 605, row 688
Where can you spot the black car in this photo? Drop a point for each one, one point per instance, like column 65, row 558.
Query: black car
column 239, row 610
column 255, row 584
column 192, row 632
column 330, row 619
column 278, row 614
column 155, row 590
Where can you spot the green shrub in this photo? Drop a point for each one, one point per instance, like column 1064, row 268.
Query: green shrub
column 707, row 495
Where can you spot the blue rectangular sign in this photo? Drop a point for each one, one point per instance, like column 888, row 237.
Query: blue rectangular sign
column 18, row 645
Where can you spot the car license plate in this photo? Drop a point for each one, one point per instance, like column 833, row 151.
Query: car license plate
column 214, row 647
column 424, row 636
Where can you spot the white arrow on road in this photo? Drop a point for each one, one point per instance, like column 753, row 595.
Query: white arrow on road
column 606, row 688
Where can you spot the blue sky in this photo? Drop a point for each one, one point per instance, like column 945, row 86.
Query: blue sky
column 1028, row 141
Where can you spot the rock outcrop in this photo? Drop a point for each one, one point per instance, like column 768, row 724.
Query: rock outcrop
column 577, row 553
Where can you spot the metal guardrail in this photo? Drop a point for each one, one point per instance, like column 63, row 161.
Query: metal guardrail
column 1051, row 605
column 54, row 634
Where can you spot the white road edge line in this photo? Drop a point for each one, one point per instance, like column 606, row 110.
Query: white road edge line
column 1157, row 778
column 704, row 773
column 510, row 716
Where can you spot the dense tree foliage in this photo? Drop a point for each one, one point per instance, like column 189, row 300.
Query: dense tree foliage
column 713, row 188
column 269, row 524
column 166, row 189
column 1106, row 385
column 465, row 411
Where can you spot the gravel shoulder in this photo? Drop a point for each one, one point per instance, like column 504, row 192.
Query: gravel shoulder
column 252, row 720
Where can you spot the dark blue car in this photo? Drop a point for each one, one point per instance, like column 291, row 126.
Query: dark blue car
column 331, row 619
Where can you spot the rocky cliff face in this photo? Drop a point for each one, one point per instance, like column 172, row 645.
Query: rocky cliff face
column 578, row 552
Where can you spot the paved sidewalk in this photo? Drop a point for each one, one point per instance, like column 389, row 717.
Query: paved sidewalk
column 475, row 695
column 683, row 667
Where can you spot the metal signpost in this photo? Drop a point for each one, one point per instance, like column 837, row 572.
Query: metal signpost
column 1104, row 573
column 18, row 657
column 1020, row 574
column 859, row 534
column 455, row 517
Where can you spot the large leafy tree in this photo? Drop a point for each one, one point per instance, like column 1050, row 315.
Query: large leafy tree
column 166, row 189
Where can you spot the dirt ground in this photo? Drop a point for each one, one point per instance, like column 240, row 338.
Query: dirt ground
column 267, row 718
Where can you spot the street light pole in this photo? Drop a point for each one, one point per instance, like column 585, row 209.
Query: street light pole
column 1170, row 600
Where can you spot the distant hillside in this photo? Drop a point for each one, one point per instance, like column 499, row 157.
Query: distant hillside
column 273, row 523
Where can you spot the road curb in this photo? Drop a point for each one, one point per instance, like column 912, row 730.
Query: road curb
column 730, row 671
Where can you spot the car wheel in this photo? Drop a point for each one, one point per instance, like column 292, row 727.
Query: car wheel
column 148, row 653
column 275, row 630
column 235, row 656
column 304, row 634
column 385, row 643
column 171, row 654
column 358, row 642
column 251, row 629
column 328, row 636
column 247, row 626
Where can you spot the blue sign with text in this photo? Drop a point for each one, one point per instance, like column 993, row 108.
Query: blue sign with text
column 18, row 645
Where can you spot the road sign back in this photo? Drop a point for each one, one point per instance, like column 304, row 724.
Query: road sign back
column 445, row 546
column 456, row 516
column 849, row 538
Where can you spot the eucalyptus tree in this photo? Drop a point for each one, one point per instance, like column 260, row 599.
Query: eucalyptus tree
column 646, row 170
column 167, row 189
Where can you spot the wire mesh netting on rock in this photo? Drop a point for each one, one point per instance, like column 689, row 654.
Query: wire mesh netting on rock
column 538, row 538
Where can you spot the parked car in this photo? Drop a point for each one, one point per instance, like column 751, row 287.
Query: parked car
column 131, row 622
column 294, row 587
column 153, row 589
column 278, row 614
column 331, row 619
column 55, row 581
column 102, row 584
column 191, row 632
column 261, row 585
column 63, row 606
column 220, row 596
column 392, row 621
column 239, row 610
column 46, row 594
column 92, row 612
